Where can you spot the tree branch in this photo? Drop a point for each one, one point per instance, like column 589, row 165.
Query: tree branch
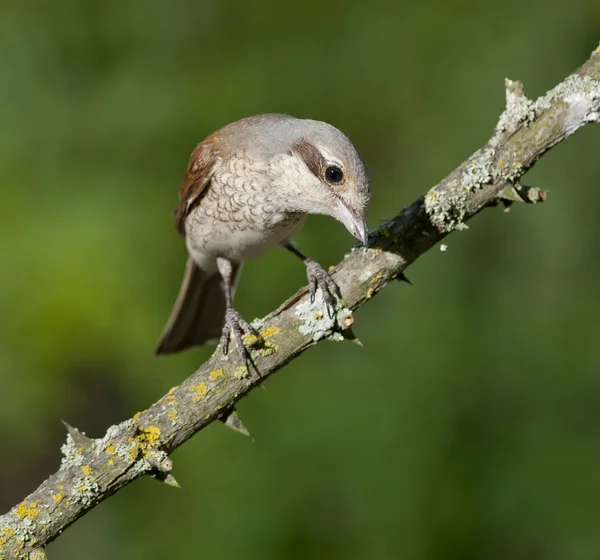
column 94, row 469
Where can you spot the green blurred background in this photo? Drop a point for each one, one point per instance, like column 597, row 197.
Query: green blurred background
column 468, row 427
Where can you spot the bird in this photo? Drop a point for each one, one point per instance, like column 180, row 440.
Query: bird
column 248, row 188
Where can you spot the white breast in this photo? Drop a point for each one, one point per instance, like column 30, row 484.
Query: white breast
column 239, row 217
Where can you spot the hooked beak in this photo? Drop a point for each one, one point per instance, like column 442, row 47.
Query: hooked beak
column 354, row 221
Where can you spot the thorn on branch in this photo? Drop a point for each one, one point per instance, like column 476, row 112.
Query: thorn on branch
column 402, row 278
column 78, row 437
column 232, row 420
column 168, row 479
column 348, row 334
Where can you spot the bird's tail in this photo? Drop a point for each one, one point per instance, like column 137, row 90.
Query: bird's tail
column 199, row 312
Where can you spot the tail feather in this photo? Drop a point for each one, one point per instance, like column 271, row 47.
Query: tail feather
column 199, row 312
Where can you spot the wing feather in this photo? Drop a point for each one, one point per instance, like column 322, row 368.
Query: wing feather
column 197, row 179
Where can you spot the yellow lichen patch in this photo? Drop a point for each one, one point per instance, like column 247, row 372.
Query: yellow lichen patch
column 145, row 440
column 270, row 331
column 376, row 278
column 110, row 463
column 377, row 250
column 250, row 339
column 150, row 434
column 30, row 511
column 216, row 373
column 431, row 194
column 170, row 400
column 136, row 416
column 318, row 316
column 201, row 391
column 86, row 470
column 370, row 293
column 240, row 372
column 111, row 449
column 2, row 541
column 268, row 348
column 501, row 162
column 57, row 497
column 386, row 232
column 8, row 532
column 173, row 415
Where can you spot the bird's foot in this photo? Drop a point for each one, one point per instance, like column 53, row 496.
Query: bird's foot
column 319, row 278
column 236, row 325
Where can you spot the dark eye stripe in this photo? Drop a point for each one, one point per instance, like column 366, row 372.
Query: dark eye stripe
column 311, row 156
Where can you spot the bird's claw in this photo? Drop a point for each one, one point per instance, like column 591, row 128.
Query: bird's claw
column 236, row 324
column 319, row 278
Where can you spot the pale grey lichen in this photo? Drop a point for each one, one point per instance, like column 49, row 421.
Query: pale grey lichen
column 574, row 85
column 23, row 530
column 447, row 211
column 85, row 489
column 71, row 453
column 257, row 324
column 316, row 321
column 478, row 172
column 448, row 206
column 582, row 94
column 519, row 109
column 112, row 436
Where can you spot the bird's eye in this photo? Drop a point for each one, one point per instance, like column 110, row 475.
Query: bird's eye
column 334, row 174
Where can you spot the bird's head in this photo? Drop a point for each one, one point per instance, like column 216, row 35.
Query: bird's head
column 333, row 176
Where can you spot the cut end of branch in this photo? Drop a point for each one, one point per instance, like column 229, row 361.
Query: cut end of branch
column 519, row 108
column 514, row 90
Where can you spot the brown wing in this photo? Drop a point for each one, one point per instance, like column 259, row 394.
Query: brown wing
column 196, row 180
